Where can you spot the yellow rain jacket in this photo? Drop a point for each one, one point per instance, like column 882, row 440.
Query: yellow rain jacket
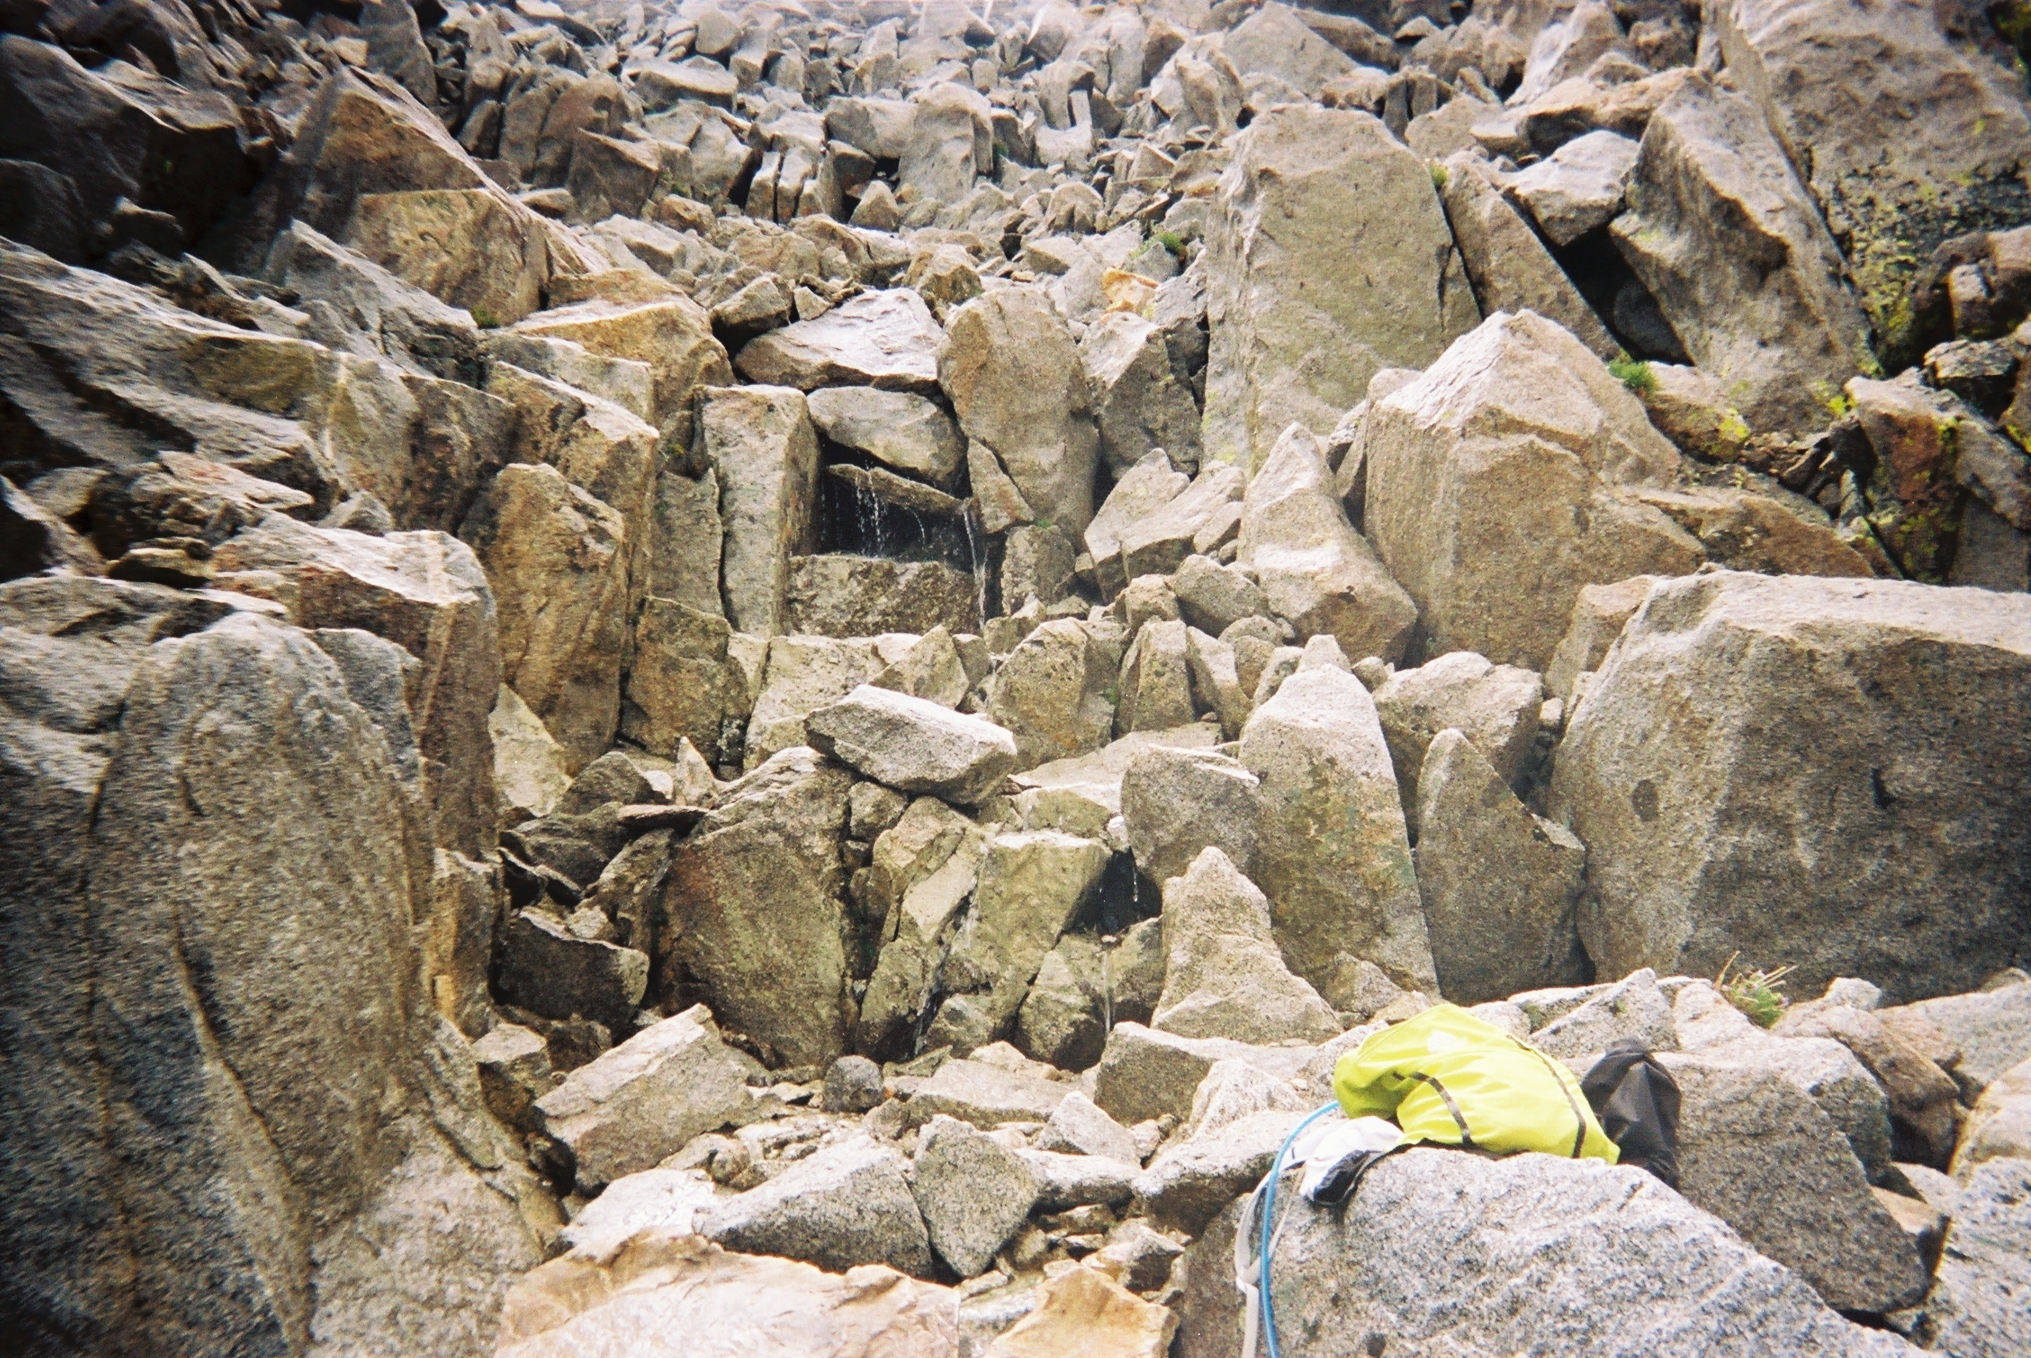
column 1448, row 1078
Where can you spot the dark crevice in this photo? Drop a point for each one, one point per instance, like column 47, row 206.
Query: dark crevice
column 1618, row 297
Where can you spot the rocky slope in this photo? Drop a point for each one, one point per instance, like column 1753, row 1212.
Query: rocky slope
column 692, row 680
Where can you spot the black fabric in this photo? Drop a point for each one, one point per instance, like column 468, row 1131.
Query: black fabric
column 1343, row 1178
column 1636, row 1100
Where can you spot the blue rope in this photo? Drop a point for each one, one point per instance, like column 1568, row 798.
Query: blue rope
column 1268, row 1221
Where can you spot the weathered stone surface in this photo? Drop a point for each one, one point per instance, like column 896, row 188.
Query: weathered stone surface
column 914, row 745
column 973, row 1192
column 1921, row 1095
column 558, row 561
column 1331, row 852
column 951, row 140
column 672, row 334
column 1158, row 543
column 1141, row 400
column 1991, row 1030
column 1015, row 380
column 753, row 901
column 762, row 446
column 1031, row 885
column 1579, row 186
column 1142, row 491
column 1052, row 694
column 1976, row 1303
column 920, row 874
column 1999, row 1125
column 839, row 595
column 932, row 669
column 427, row 593
column 1632, row 1009
column 984, row 1095
column 846, row 1205
column 1300, row 184
column 902, row 430
column 1510, row 268
column 1713, row 205
column 1223, row 975
column 530, row 769
column 1178, row 802
column 677, row 682
column 1495, row 706
column 1501, row 887
column 1156, row 680
column 1495, row 489
column 1823, row 1069
column 878, row 339
column 798, row 676
column 1599, row 612
column 641, row 1101
column 1085, row 1311
column 473, row 248
column 1745, row 531
column 1666, row 814
column 131, row 770
column 1212, row 597
column 667, row 1294
column 1186, row 1185
column 1929, row 142
column 1065, row 1181
column 1481, row 1233
column 1079, row 1127
column 1145, row 1074
column 547, row 970
column 1314, row 569
column 1757, row 1153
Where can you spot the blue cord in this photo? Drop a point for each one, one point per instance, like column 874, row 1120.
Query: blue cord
column 1268, row 1220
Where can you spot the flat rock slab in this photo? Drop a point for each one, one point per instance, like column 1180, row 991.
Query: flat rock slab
column 914, row 745
column 878, row 339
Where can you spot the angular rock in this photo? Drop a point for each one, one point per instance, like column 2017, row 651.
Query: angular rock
column 914, row 745
column 1331, row 852
column 888, row 340
column 1078, row 1127
column 1142, row 491
column 1599, row 612
column 765, row 453
column 1931, row 147
column 1496, row 489
column 1578, row 187
column 641, row 1101
column 672, row 334
column 677, row 683
column 1528, row 1243
column 1281, row 284
column 1510, row 268
column 1633, row 1009
column 798, row 676
column 1067, row 1181
column 1975, row 1305
column 1501, row 887
column 1188, row 1184
column 856, row 596
column 1757, row 1153
column 1314, row 569
column 1145, row 1074
column 1990, row 1029
column 1645, row 795
column 558, row 560
column 1052, row 694
column 973, row 1192
column 984, row 1095
column 1083, row 1310
column 1031, row 885
column 846, row 1205
column 920, row 875
column 753, row 904
column 1223, row 975
column 1212, row 597
column 1158, row 543
column 547, row 970
column 896, row 428
column 1179, row 802
column 1722, row 233
column 951, row 141
column 1494, row 706
column 1141, row 400
column 1015, row 380
column 1156, row 680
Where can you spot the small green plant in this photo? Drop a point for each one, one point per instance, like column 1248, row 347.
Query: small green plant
column 1113, row 695
column 1756, row 993
column 1439, row 178
column 1043, row 521
column 1171, row 241
column 1633, row 373
column 484, row 319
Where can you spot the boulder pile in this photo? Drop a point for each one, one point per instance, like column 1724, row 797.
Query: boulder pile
column 717, row 679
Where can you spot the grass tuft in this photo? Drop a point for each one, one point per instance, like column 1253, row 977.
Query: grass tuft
column 1633, row 373
column 1758, row 993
